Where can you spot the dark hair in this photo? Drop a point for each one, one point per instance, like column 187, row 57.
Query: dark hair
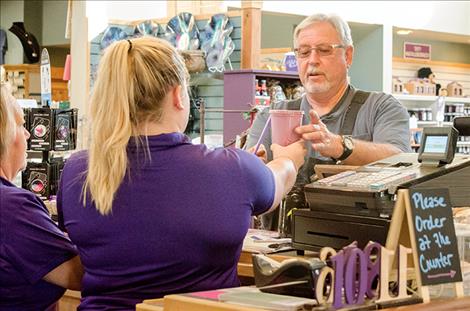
column 424, row 72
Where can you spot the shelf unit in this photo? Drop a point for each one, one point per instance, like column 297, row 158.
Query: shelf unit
column 239, row 95
column 26, row 81
column 423, row 98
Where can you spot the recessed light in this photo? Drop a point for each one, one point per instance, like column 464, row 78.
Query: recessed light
column 404, row 32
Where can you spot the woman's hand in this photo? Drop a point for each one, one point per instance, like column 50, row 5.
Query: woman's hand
column 295, row 152
column 261, row 153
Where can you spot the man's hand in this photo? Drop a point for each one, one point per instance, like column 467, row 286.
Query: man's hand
column 261, row 153
column 322, row 140
column 295, row 152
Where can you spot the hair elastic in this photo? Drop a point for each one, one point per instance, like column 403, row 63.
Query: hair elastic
column 130, row 45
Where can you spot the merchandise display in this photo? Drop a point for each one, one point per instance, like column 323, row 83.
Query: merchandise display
column 421, row 87
column 455, row 89
column 149, row 28
column 398, row 87
column 216, row 42
column 426, row 73
column 51, row 130
column 112, row 34
column 29, row 42
column 182, row 32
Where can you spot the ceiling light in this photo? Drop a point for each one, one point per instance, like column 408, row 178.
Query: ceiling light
column 404, row 32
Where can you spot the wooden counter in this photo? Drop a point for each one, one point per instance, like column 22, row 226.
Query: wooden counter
column 182, row 302
column 71, row 299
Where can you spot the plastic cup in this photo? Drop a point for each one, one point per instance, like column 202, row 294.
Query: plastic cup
column 283, row 123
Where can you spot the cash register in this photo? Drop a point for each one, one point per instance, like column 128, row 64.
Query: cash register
column 357, row 205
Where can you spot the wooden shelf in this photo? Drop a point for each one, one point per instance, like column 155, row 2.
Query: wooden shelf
column 430, row 63
column 434, row 123
column 266, row 73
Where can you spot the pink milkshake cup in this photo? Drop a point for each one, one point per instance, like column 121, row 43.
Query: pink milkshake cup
column 283, row 123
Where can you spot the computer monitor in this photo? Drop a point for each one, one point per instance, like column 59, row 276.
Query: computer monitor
column 438, row 145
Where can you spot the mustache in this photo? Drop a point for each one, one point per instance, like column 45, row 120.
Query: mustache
column 314, row 71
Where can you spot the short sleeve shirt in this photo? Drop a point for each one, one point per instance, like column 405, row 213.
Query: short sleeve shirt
column 177, row 224
column 31, row 246
column 381, row 119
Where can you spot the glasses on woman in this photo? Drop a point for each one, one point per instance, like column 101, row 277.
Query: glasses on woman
column 321, row 49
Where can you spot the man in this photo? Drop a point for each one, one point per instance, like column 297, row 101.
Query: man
column 340, row 123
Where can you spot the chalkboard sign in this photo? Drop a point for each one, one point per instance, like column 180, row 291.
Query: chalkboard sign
column 433, row 225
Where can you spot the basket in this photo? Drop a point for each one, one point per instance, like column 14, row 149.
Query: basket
column 194, row 60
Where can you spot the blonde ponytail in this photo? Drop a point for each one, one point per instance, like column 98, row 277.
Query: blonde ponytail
column 132, row 80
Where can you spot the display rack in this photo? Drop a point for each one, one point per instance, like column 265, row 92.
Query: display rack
column 26, row 83
column 424, row 98
column 239, row 95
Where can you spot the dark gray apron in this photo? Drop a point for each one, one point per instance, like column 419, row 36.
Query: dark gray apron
column 296, row 197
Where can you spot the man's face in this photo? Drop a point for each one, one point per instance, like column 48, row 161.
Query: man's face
column 322, row 73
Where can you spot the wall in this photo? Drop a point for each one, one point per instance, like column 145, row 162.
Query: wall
column 275, row 34
column 54, row 16
column 440, row 51
column 100, row 12
column 367, row 69
column 33, row 18
column 443, row 16
column 12, row 11
column 44, row 19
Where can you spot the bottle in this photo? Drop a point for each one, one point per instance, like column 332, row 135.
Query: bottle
column 264, row 88
column 413, row 121
column 257, row 88
column 439, row 109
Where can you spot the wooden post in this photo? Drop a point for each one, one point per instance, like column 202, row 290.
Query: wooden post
column 80, row 73
column 251, row 34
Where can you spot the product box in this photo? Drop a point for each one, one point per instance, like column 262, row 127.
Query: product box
column 65, row 128
column 40, row 125
column 36, row 178
column 27, row 123
column 56, row 168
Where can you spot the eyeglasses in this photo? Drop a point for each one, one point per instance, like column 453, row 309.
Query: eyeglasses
column 321, row 49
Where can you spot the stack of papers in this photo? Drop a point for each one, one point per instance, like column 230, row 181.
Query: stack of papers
column 255, row 298
column 265, row 242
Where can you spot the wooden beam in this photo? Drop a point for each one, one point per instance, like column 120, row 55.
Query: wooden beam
column 430, row 62
column 275, row 50
column 251, row 38
column 171, row 8
column 251, row 4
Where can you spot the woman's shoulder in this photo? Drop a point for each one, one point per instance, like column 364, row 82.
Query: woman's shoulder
column 231, row 157
column 78, row 160
column 20, row 202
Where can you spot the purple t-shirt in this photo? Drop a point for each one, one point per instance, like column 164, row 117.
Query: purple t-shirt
column 31, row 246
column 177, row 224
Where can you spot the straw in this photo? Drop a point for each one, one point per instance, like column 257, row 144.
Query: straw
column 263, row 132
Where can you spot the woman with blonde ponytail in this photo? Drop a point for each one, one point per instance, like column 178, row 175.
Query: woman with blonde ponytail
column 151, row 213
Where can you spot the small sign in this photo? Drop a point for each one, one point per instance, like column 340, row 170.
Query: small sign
column 45, row 79
column 417, row 51
column 433, row 225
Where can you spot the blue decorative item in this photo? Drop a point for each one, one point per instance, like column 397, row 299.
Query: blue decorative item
column 216, row 42
column 112, row 34
column 147, row 28
column 182, row 32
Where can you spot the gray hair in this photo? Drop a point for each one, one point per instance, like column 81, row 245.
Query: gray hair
column 7, row 119
column 342, row 28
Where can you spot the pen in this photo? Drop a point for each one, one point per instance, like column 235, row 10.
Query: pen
column 263, row 132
